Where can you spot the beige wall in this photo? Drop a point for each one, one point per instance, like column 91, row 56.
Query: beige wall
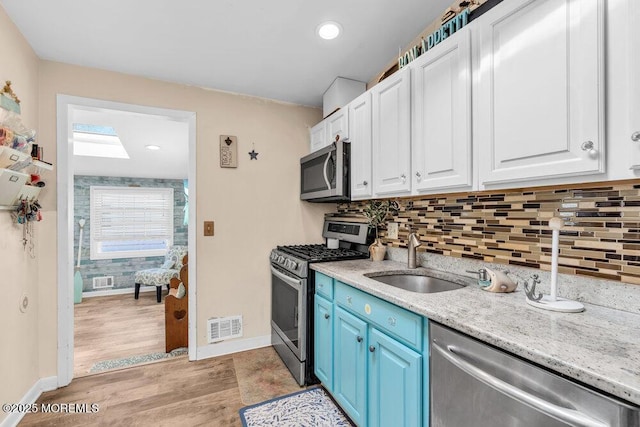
column 19, row 348
column 255, row 206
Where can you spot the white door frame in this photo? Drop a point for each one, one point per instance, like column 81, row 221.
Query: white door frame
column 65, row 223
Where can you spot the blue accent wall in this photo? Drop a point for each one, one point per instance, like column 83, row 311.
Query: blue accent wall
column 122, row 269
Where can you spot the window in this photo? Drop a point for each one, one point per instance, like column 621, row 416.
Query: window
column 97, row 141
column 130, row 222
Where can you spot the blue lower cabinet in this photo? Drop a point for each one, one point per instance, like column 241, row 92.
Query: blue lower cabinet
column 323, row 341
column 395, row 383
column 426, row 402
column 350, row 365
column 368, row 356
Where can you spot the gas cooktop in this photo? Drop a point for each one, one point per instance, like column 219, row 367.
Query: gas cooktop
column 316, row 253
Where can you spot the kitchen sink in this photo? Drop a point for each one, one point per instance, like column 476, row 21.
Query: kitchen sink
column 416, row 282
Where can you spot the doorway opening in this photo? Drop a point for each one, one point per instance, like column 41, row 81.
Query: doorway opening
column 108, row 264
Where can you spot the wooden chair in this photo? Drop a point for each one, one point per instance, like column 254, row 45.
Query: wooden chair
column 176, row 311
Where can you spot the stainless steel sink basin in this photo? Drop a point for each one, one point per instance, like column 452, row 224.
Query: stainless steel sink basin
column 417, row 283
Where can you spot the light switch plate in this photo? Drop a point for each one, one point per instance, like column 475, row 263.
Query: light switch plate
column 392, row 230
column 208, row 228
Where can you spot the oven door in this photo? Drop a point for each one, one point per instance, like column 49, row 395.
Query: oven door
column 288, row 310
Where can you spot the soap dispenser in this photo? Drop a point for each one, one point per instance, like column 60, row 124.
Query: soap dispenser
column 483, row 277
column 500, row 282
column 494, row 281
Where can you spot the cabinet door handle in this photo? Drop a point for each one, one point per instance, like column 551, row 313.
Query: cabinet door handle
column 419, row 176
column 635, row 137
column 372, row 348
column 348, row 300
column 365, row 183
column 326, row 315
column 403, row 177
column 590, row 147
column 359, row 338
column 392, row 321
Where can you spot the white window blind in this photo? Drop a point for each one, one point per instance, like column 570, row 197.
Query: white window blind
column 130, row 221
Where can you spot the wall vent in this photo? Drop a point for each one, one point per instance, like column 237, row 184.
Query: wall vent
column 222, row 328
column 103, row 282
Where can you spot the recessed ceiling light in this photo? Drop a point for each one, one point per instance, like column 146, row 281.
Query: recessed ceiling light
column 152, row 147
column 329, row 30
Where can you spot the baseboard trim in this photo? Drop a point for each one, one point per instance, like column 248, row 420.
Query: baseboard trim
column 123, row 291
column 40, row 386
column 234, row 346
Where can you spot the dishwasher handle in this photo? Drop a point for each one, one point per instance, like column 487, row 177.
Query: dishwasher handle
column 567, row 415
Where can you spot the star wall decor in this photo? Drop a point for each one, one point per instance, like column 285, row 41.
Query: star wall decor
column 252, row 154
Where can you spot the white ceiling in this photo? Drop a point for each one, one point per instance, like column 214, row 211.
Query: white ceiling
column 256, row 47
column 135, row 131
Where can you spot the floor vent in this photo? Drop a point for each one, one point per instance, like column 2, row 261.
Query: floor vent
column 103, row 282
column 222, row 328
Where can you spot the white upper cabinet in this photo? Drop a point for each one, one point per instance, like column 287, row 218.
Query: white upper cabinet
column 333, row 128
column 633, row 76
column 441, row 116
column 318, row 139
column 360, row 137
column 391, row 123
column 337, row 125
column 540, row 103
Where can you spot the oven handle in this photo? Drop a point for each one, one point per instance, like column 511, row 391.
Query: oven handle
column 324, row 170
column 294, row 283
column 566, row 415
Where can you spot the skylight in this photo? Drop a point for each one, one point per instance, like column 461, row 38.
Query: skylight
column 97, row 141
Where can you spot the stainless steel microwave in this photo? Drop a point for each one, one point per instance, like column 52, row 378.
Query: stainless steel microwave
column 324, row 174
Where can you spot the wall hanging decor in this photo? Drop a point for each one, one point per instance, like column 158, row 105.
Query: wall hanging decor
column 8, row 99
column 228, row 151
column 21, row 168
column 253, row 155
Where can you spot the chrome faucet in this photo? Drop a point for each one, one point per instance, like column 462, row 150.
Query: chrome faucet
column 413, row 243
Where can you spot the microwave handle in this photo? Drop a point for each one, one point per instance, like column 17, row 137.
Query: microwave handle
column 324, row 171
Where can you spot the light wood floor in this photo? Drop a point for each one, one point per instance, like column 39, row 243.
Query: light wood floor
column 114, row 327
column 172, row 393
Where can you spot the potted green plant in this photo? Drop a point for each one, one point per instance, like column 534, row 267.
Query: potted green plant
column 377, row 212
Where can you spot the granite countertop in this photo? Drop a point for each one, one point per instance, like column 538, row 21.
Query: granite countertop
column 599, row 347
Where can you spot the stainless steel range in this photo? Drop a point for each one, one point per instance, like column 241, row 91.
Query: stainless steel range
column 292, row 289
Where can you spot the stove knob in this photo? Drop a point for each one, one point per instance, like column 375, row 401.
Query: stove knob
column 281, row 260
column 273, row 256
column 294, row 265
column 288, row 264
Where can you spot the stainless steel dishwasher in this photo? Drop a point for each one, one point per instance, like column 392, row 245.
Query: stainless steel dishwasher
column 475, row 385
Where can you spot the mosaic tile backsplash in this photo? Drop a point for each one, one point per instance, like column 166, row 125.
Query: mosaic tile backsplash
column 601, row 237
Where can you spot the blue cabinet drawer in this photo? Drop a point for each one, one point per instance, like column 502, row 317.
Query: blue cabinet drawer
column 324, row 286
column 396, row 321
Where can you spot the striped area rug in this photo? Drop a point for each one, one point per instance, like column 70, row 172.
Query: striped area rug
column 308, row 408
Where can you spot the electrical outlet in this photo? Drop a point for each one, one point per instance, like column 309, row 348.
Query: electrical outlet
column 208, row 228
column 392, row 230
